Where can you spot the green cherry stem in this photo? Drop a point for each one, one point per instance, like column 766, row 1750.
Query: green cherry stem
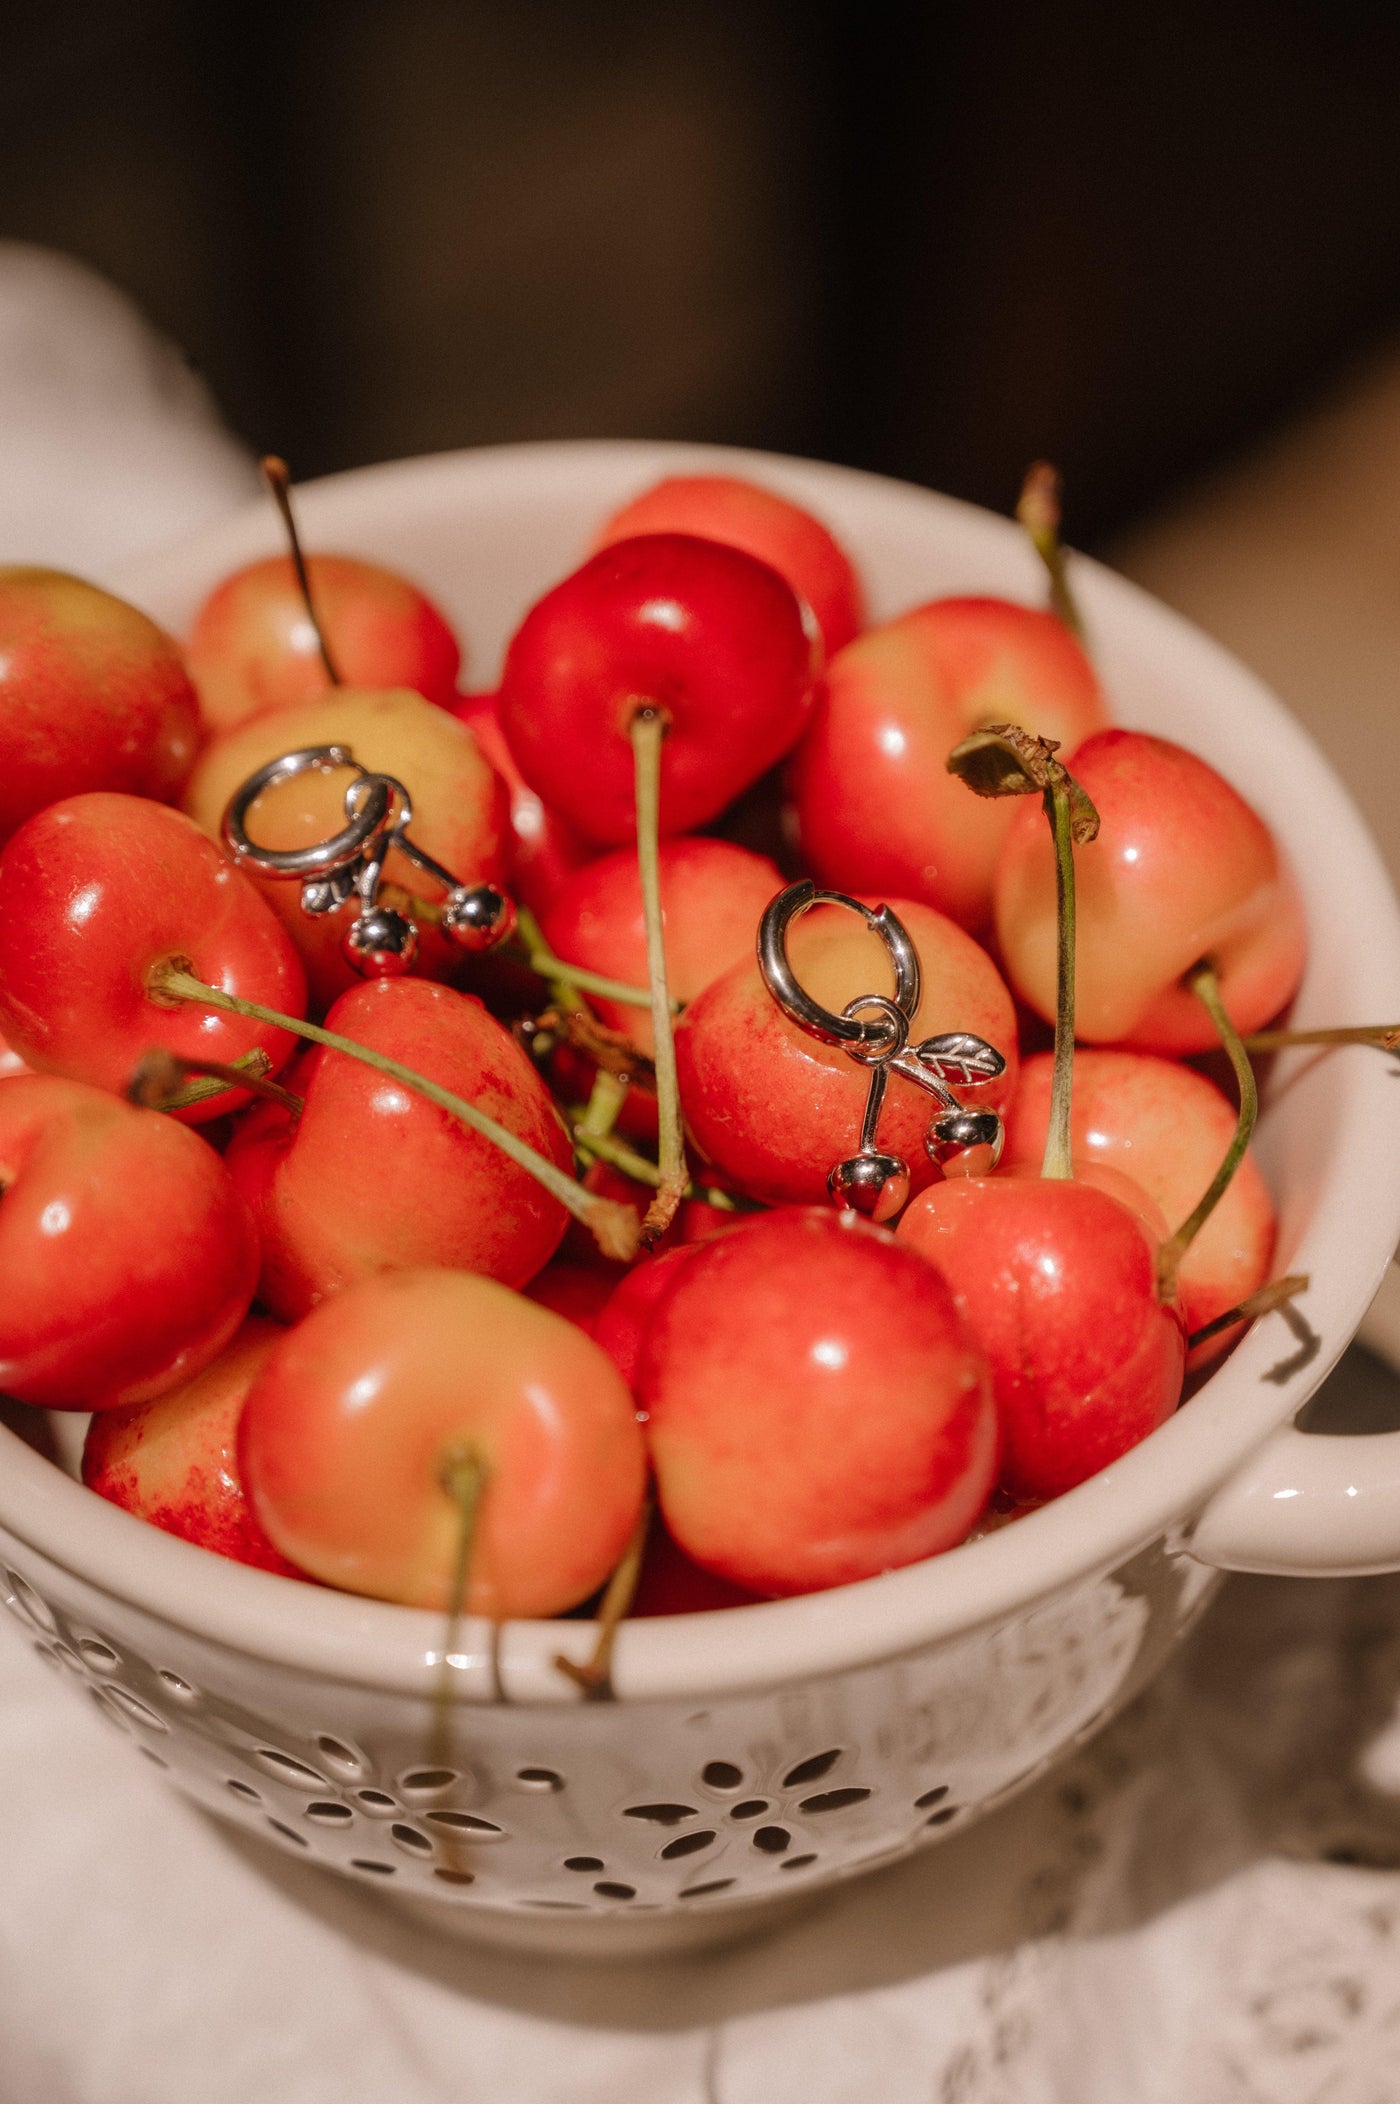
column 463, row 1477
column 1057, row 1162
column 1384, row 1036
column 612, row 1226
column 648, row 731
column 567, row 981
column 1038, row 512
column 1206, row 987
column 1264, row 1302
column 163, row 1080
column 606, row 1147
column 605, row 1101
column 277, row 476
column 594, row 1676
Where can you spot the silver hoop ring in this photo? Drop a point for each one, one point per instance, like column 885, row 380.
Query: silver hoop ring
column 374, row 794
column 871, row 1041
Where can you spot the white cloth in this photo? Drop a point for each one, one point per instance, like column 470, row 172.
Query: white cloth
column 1202, row 1907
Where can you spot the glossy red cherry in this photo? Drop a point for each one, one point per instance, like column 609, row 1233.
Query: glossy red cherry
column 876, row 807
column 174, row 1462
column 372, row 1177
column 1057, row 1282
column 773, row 528
column 774, row 1108
column 92, row 696
column 252, row 647
column 127, row 1257
column 816, row 1410
column 714, row 640
column 543, row 847
column 347, row 1431
column 96, row 894
column 1182, row 869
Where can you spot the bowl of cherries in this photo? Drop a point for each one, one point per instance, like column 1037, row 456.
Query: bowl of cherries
column 678, row 1133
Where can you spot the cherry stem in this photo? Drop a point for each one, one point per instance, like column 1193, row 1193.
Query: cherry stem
column 612, row 1226
column 1264, row 1302
column 463, row 1477
column 1057, row 1163
column 1038, row 511
column 647, row 732
column 1384, row 1036
column 606, row 1147
column 605, row 1101
column 277, row 476
column 594, row 1676
column 1206, row 987
column 567, row 981
column 161, row 1080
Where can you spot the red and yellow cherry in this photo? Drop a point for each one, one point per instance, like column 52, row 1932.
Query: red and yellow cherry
column 174, row 1462
column 372, row 1177
column 1182, row 869
column 773, row 1108
column 1168, row 1128
column 621, row 1324
column 1057, row 1282
column 817, row 1411
column 712, row 640
column 577, row 1291
column 876, row 808
column 460, row 808
column 671, row 1583
column 97, row 893
column 361, row 1409
column 712, row 898
column 543, row 846
column 773, row 528
column 92, row 696
column 253, row 648
column 128, row 1258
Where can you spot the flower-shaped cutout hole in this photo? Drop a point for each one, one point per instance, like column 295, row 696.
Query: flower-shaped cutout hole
column 454, row 1877
column 948, row 1813
column 288, row 1833
column 931, row 1797
column 175, row 1685
column 539, row 1778
column 325, row 1811
column 751, row 1808
column 687, row 1845
column 101, row 1657
column 466, row 1823
column 378, row 1803
column 772, row 1840
column 422, row 1785
column 378, row 1870
column 722, row 1775
column 606, row 1889
column 286, row 1768
column 584, row 1863
column 410, row 1840
column 833, row 1800
column 660, row 1814
column 812, row 1770
column 343, row 1759
column 243, row 1790
column 701, row 1891
column 26, row 1603
column 124, row 1704
column 797, row 1862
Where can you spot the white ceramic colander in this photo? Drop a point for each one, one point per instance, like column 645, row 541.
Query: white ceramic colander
column 754, row 1755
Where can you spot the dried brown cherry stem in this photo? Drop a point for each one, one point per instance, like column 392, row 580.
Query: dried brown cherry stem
column 277, row 476
column 1263, row 1302
column 1384, row 1036
column 581, row 1029
column 647, row 731
column 613, row 1226
column 594, row 1676
column 165, row 1081
column 1004, row 760
column 1206, row 987
column 1038, row 511
column 463, row 1476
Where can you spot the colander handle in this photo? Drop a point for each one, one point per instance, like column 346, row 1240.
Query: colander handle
column 1312, row 1504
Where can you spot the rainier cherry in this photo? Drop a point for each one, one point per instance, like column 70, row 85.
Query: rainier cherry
column 372, row 1177
column 97, row 895
column 816, row 1410
column 362, row 1416
column 1183, row 871
column 174, row 1462
column 743, row 515
column 876, row 807
column 774, row 1108
column 92, row 696
column 127, row 1257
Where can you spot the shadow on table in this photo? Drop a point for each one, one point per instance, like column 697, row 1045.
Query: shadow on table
column 1276, row 1731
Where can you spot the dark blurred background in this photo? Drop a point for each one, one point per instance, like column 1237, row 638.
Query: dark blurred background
column 1131, row 239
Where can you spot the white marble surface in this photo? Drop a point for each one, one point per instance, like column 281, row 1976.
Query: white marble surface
column 1204, row 1905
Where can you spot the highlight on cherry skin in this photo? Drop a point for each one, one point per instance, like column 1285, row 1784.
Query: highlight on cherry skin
column 361, row 1411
